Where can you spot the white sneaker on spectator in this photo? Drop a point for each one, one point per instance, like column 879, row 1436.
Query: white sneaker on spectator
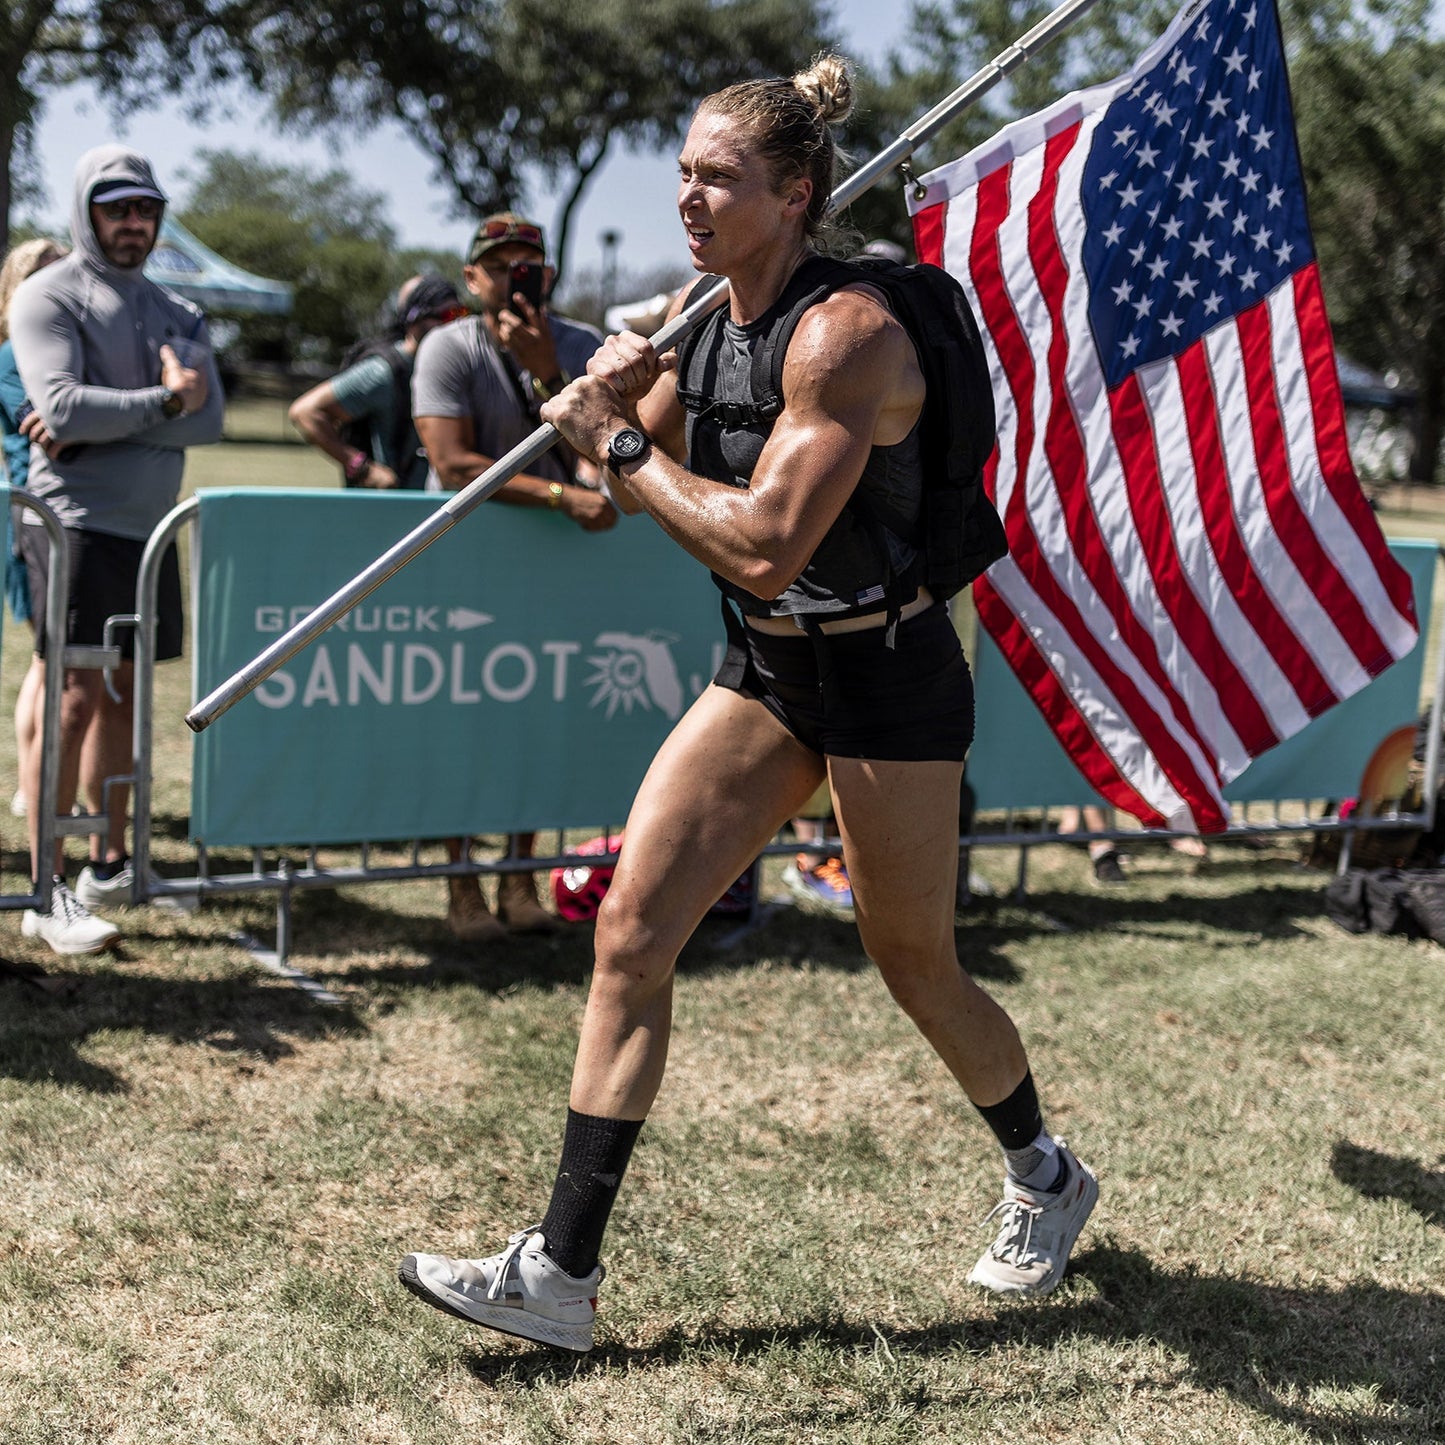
column 114, row 892
column 18, row 806
column 69, row 926
column 1037, row 1233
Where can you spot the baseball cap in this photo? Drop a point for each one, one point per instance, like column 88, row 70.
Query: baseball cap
column 431, row 296
column 502, row 229
column 124, row 191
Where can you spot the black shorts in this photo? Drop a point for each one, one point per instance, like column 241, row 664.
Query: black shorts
column 103, row 573
column 910, row 703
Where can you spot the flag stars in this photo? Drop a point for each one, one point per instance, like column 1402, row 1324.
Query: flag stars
column 1129, row 346
column 1113, row 235
column 1226, row 264
column 1187, row 188
column 1106, row 181
column 1284, row 253
column 1261, row 239
column 1248, row 279
column 1142, row 307
column 1216, row 208
column 1255, row 76
column 1234, row 62
column 1241, row 126
column 1250, row 181
column 1165, row 114
column 1186, row 286
column 1275, row 198
column 1218, row 107
column 1157, row 268
column 1212, row 303
column 1172, row 228
column 1250, row 16
column 1146, row 155
column 1171, row 325
column 1136, row 254
column 1239, row 225
column 1122, row 292
column 1230, row 167
column 1200, row 145
column 1124, row 136
column 1184, row 74
column 1262, row 138
column 1129, row 196
column 1201, row 246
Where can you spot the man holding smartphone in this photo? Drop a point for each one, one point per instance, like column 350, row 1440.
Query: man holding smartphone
column 476, row 391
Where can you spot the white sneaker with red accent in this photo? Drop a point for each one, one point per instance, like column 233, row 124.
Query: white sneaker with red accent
column 520, row 1292
column 1037, row 1233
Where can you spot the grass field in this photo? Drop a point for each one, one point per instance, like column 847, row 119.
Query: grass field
column 208, row 1178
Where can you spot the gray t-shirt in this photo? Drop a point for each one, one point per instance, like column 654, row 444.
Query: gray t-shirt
column 460, row 372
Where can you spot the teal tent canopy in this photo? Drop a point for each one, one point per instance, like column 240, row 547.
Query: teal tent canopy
column 182, row 264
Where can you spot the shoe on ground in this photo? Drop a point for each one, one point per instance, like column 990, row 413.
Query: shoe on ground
column 19, row 808
column 1108, row 870
column 518, row 908
column 468, row 916
column 822, row 881
column 69, row 927
column 1036, row 1232
column 114, row 892
column 520, row 1292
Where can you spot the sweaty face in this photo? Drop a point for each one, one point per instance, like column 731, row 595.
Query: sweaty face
column 726, row 197
column 128, row 241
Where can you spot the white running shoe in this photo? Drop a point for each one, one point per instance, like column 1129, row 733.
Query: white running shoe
column 1037, row 1233
column 520, row 1292
column 69, row 927
column 114, row 892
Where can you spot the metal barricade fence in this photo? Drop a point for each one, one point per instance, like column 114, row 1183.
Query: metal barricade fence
column 285, row 876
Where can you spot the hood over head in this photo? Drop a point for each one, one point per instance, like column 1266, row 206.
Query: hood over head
column 118, row 173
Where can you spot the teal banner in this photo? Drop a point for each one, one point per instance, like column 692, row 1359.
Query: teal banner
column 520, row 673
column 1016, row 761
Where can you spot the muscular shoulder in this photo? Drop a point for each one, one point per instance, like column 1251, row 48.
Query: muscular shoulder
column 850, row 340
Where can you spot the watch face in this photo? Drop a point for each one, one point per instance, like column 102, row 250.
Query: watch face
column 627, row 445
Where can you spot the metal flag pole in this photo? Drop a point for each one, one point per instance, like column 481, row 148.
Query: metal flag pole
column 285, row 647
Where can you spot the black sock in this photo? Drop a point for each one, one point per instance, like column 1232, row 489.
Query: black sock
column 104, row 871
column 594, row 1158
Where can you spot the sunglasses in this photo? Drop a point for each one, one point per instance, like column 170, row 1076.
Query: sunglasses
column 147, row 208
column 512, row 231
column 451, row 313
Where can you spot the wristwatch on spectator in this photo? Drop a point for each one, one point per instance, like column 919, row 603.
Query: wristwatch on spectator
column 173, row 404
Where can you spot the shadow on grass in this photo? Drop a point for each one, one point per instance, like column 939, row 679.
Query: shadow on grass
column 1268, row 1346
column 783, row 937
column 1389, row 1176
column 1269, row 911
column 41, row 1037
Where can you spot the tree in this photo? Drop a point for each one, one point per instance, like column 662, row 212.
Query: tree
column 328, row 238
column 1371, row 115
column 130, row 48
column 494, row 91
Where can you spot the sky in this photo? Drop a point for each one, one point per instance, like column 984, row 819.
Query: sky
column 631, row 194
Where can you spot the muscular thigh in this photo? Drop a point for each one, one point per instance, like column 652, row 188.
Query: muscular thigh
column 899, row 825
column 727, row 778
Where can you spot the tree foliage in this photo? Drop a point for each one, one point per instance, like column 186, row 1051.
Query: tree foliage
column 131, row 49
column 327, row 237
column 495, row 91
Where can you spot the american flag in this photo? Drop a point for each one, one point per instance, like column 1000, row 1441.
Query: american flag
column 1195, row 572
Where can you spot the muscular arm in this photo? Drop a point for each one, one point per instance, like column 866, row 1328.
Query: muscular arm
column 850, row 382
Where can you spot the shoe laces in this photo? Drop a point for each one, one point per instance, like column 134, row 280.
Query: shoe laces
column 65, row 905
column 507, row 1260
column 1016, row 1233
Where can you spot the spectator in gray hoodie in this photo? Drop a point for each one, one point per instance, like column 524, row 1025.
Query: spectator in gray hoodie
column 121, row 379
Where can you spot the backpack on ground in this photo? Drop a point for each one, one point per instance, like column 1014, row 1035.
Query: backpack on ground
column 958, row 532
column 357, row 432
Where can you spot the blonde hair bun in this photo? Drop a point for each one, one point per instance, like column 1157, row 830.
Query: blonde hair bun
column 828, row 85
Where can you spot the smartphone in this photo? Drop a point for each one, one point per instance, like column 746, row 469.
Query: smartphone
column 526, row 279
